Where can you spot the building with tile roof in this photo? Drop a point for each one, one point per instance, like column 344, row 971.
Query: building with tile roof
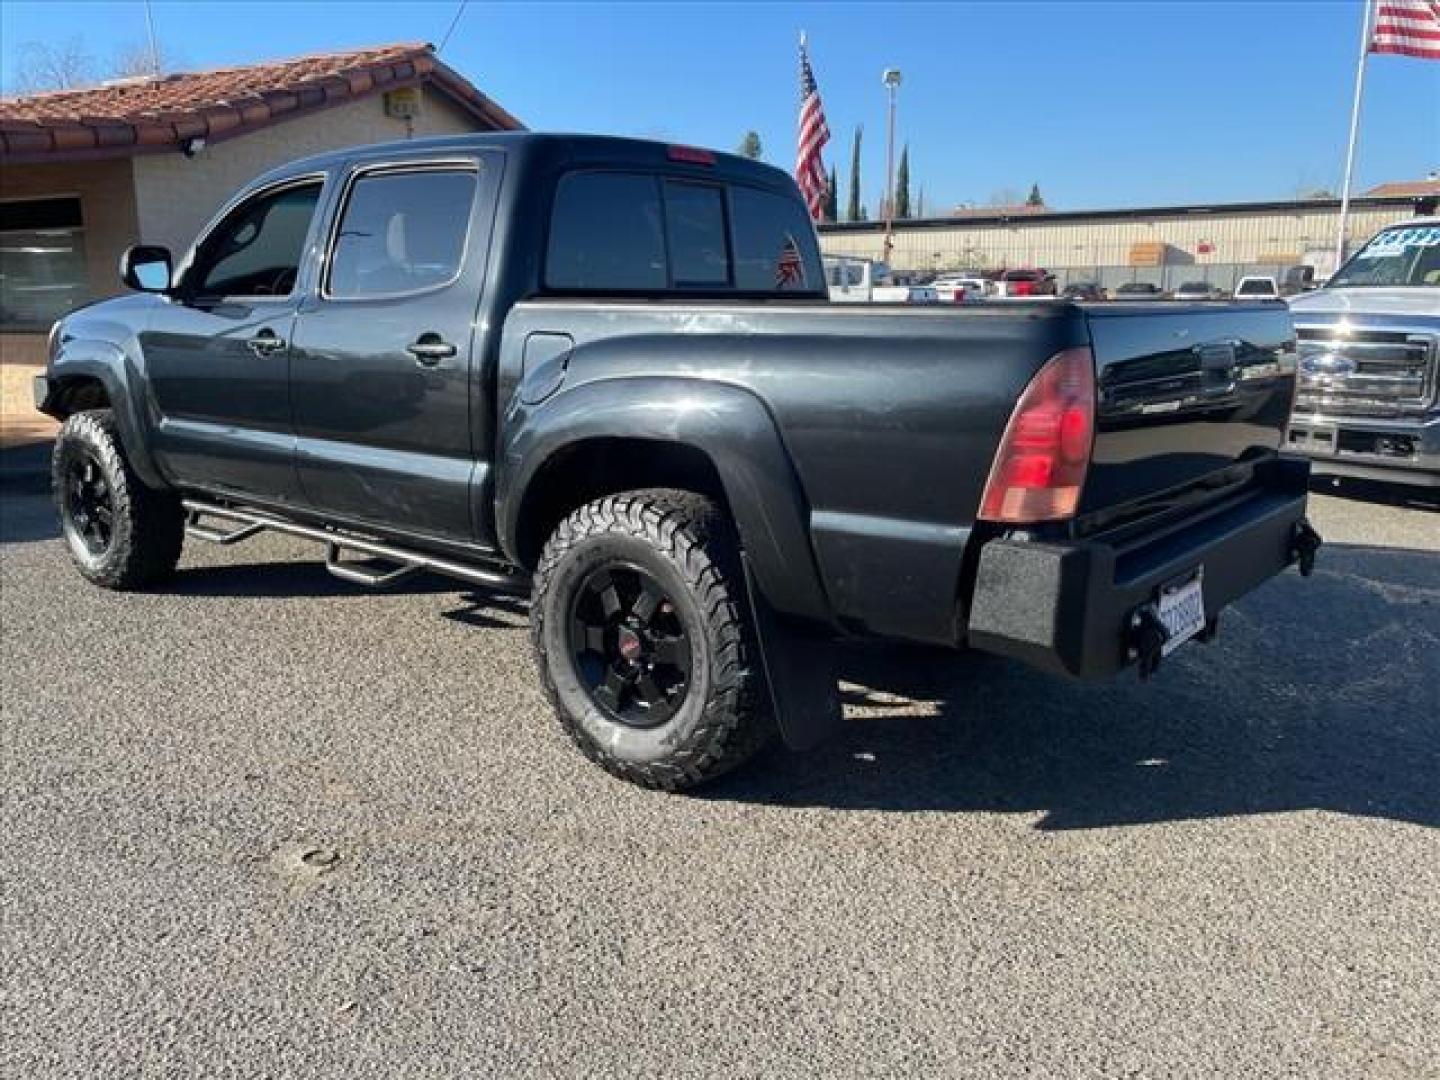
column 85, row 173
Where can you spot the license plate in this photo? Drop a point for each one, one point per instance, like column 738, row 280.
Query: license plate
column 1181, row 609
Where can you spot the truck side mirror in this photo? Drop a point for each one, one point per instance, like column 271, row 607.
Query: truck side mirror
column 146, row 268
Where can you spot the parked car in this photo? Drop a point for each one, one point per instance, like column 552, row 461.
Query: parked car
column 963, row 288
column 1199, row 290
column 863, row 281
column 1139, row 290
column 1368, row 403
column 1297, row 280
column 1084, row 290
column 615, row 380
column 1026, row 282
column 1257, row 287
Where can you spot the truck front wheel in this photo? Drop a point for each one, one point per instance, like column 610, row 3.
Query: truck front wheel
column 121, row 534
column 644, row 639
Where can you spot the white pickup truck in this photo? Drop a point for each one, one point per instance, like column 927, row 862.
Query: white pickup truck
column 1368, row 400
column 864, row 281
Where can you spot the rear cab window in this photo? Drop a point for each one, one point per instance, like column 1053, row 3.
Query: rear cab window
column 618, row 232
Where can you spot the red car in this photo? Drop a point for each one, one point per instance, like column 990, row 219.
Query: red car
column 1028, row 282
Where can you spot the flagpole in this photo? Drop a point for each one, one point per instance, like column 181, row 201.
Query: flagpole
column 1354, row 132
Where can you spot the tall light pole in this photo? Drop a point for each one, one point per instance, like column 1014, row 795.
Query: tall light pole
column 891, row 78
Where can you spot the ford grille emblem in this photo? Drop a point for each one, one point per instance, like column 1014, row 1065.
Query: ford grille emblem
column 1327, row 364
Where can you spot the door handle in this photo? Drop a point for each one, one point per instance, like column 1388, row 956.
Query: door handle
column 430, row 349
column 266, row 342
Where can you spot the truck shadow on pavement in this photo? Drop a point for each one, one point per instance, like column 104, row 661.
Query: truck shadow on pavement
column 1319, row 694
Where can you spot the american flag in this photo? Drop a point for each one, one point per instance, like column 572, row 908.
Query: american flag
column 809, row 169
column 790, row 268
column 1407, row 28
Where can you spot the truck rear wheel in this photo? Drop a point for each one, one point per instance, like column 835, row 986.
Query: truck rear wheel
column 644, row 639
column 121, row 534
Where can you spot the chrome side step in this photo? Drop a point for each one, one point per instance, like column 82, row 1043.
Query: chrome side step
column 248, row 523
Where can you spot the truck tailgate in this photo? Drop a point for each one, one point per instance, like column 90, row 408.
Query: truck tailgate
column 1184, row 391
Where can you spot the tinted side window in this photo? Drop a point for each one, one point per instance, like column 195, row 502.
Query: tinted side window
column 256, row 251
column 605, row 233
column 401, row 232
column 695, row 217
column 774, row 243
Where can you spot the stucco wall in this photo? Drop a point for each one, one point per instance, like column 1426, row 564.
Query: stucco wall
column 175, row 196
column 107, row 209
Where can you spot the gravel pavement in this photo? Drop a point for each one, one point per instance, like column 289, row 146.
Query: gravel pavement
column 266, row 824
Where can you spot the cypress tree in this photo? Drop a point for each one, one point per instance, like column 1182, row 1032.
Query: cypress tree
column 902, row 184
column 854, row 210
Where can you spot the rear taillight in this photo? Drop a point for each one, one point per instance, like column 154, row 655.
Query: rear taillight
column 1039, row 469
column 691, row 155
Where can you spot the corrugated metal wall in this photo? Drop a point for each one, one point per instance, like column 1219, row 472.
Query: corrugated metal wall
column 1245, row 238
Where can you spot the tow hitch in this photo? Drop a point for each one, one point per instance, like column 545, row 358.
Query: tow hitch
column 1304, row 543
column 1145, row 640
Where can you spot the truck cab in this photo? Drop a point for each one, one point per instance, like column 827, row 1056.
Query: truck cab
column 864, row 281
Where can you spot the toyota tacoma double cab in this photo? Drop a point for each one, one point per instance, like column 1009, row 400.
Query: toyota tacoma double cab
column 1368, row 403
column 607, row 371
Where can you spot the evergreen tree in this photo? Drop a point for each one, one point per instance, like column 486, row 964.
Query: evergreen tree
column 1035, row 199
column 831, row 209
column 902, row 184
column 855, row 211
column 750, row 146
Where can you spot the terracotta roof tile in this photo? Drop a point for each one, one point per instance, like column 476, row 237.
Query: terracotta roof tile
column 158, row 113
column 1419, row 188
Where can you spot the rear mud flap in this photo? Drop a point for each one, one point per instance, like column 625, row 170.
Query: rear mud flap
column 800, row 673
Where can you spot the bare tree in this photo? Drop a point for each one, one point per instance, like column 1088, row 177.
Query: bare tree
column 1005, row 197
column 46, row 66
column 134, row 59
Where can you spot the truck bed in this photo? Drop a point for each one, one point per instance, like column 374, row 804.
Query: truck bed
column 891, row 415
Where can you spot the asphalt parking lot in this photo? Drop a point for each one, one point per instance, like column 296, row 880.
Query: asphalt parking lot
column 267, row 824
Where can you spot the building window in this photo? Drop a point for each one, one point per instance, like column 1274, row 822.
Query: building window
column 42, row 262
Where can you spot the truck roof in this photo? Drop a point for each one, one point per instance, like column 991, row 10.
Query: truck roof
column 556, row 150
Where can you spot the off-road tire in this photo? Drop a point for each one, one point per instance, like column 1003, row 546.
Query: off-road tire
column 148, row 527
column 687, row 544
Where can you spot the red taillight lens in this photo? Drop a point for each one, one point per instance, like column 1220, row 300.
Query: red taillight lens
column 1040, row 467
column 691, row 155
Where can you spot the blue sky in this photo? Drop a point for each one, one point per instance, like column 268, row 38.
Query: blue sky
column 1102, row 104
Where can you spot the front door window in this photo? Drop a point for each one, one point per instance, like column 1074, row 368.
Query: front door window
column 256, row 250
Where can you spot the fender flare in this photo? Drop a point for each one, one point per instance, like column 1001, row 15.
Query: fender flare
column 727, row 423
column 107, row 363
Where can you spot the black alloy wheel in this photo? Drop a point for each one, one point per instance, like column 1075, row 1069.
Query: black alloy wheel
column 120, row 533
column 89, row 503
column 629, row 645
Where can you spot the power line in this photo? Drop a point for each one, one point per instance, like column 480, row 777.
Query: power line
column 453, row 23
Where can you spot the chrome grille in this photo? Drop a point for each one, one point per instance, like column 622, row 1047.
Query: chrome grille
column 1353, row 372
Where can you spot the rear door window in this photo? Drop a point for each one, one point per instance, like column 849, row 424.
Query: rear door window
column 401, row 232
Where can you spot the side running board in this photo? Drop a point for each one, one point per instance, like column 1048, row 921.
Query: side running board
column 248, row 523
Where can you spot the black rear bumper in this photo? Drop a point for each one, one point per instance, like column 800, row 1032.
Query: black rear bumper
column 1069, row 607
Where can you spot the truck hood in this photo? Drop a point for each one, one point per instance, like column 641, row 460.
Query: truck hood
column 1422, row 301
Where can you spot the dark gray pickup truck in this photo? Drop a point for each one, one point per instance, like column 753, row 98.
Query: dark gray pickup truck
column 608, row 371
